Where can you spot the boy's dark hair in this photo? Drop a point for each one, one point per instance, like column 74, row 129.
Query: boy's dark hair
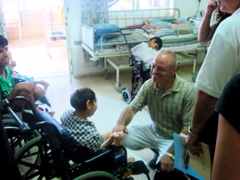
column 80, row 97
column 158, row 41
column 3, row 41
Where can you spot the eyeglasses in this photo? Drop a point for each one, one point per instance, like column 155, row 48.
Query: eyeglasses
column 160, row 69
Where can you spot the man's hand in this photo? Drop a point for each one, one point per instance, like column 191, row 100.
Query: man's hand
column 119, row 128
column 167, row 164
column 193, row 145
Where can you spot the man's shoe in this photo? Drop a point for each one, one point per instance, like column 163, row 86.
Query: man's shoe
column 153, row 163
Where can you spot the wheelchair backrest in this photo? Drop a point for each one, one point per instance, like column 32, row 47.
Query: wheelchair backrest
column 59, row 136
column 57, row 140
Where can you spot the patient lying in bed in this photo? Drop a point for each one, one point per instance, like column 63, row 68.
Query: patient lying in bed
column 145, row 52
column 155, row 24
column 180, row 26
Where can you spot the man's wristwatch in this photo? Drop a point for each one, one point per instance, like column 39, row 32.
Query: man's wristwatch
column 170, row 155
column 190, row 132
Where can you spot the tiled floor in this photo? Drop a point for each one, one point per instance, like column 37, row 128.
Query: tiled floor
column 32, row 60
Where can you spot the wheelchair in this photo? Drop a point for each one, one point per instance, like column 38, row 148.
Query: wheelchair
column 43, row 150
column 138, row 77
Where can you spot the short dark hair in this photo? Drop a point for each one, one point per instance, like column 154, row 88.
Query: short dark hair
column 80, row 97
column 3, row 41
column 158, row 41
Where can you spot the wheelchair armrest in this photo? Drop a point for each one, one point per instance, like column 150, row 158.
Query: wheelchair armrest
column 108, row 159
column 118, row 151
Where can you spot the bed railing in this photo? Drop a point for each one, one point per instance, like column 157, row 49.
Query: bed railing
column 123, row 18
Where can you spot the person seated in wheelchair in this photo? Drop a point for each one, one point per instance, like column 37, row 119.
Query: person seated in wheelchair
column 83, row 131
column 145, row 52
column 9, row 89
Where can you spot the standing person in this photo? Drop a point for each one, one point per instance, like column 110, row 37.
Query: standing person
column 170, row 101
column 206, row 30
column 226, row 164
column 145, row 52
column 222, row 62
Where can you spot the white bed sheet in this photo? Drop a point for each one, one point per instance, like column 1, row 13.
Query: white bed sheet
column 189, row 47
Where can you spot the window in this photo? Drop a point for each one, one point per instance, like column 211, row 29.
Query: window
column 30, row 5
column 141, row 4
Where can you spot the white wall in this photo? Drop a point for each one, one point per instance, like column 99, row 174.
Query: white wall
column 77, row 62
column 189, row 7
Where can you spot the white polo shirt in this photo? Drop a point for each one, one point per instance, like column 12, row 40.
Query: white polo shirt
column 222, row 61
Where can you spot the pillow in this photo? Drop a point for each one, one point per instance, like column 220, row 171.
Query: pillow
column 102, row 29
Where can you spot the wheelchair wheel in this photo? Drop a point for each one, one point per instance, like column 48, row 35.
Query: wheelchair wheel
column 15, row 136
column 28, row 159
column 96, row 175
column 126, row 96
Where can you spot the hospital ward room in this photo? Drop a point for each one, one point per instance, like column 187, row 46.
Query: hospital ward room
column 119, row 89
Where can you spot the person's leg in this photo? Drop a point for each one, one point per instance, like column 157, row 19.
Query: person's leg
column 22, row 104
column 145, row 136
column 159, row 152
column 140, row 137
column 147, row 25
column 226, row 164
column 163, row 146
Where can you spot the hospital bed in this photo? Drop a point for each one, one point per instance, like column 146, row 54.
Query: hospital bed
column 101, row 37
